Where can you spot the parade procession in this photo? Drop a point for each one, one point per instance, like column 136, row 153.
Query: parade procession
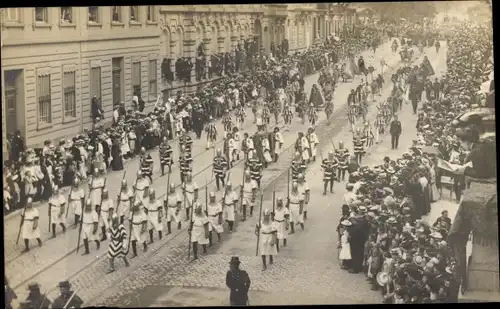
column 353, row 171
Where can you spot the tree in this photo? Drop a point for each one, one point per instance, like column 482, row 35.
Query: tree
column 411, row 11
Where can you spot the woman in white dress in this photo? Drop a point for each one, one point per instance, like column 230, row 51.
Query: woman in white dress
column 268, row 238
column 199, row 231
column 31, row 228
column 344, row 245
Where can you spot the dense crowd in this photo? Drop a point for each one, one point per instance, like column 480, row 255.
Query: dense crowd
column 132, row 129
column 381, row 232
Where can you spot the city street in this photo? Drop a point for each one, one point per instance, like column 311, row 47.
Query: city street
column 307, row 271
column 57, row 261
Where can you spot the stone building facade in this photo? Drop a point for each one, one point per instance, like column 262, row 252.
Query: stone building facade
column 54, row 59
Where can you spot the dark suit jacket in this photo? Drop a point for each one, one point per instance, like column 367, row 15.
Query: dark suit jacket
column 239, row 284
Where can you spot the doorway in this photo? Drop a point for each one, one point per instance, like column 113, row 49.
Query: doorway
column 13, row 95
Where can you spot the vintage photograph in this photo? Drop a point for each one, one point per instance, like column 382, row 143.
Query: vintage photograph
column 249, row 154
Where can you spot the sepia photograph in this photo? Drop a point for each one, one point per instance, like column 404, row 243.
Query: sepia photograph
column 249, row 154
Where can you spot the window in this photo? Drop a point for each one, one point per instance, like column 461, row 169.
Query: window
column 151, row 13
column 44, row 100
column 66, row 15
column 93, row 14
column 12, row 14
column 41, row 15
column 95, row 82
column 69, row 94
column 117, row 79
column 152, row 78
column 134, row 10
column 136, row 78
column 116, row 16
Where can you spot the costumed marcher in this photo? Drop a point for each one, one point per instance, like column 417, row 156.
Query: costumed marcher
column 30, row 224
column 57, row 206
column 220, row 166
column 139, row 222
column 214, row 212
column 35, row 298
column 303, row 188
column 342, row 156
column 172, row 205
column 268, row 238
column 124, row 203
column 298, row 166
column 190, row 193
column 329, row 167
column 296, row 205
column 248, row 193
column 281, row 219
column 105, row 211
column 117, row 243
column 278, row 143
column 256, row 168
column 230, row 204
column 166, row 158
column 313, row 141
column 199, row 230
column 90, row 223
column 154, row 212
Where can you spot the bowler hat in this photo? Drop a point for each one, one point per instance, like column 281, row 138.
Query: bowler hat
column 235, row 260
column 64, row 284
column 33, row 286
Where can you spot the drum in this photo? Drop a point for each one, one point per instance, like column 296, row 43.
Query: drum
column 267, row 156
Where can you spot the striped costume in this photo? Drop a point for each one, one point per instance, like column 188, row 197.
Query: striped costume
column 116, row 243
column 147, row 168
column 165, row 154
column 220, row 165
column 187, row 143
column 358, row 143
column 329, row 167
column 228, row 123
column 211, row 130
column 255, row 167
column 185, row 167
column 298, row 167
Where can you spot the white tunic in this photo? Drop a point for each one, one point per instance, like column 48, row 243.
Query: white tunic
column 248, row 188
column 189, row 189
column 123, row 205
column 237, row 142
column 249, row 143
column 266, row 245
column 154, row 208
column 75, row 200
column 97, row 184
column 106, row 206
column 172, row 214
column 55, row 210
column 305, row 148
column 88, row 220
column 280, row 221
column 137, row 234
column 230, row 199
column 214, row 209
column 278, row 142
column 313, row 143
column 345, row 250
column 198, row 232
column 141, row 187
column 29, row 220
column 295, row 215
column 303, row 188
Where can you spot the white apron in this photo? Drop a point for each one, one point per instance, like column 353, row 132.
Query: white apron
column 153, row 216
column 137, row 233
column 213, row 217
column 295, row 215
column 55, row 209
column 198, row 232
column 75, row 200
column 229, row 211
column 29, row 220
column 345, row 250
column 280, row 222
column 266, row 241
column 172, row 214
column 89, row 218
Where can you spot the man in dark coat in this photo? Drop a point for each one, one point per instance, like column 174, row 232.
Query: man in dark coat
column 395, row 130
column 17, row 146
column 358, row 234
column 96, row 109
column 66, row 294
column 36, row 299
column 238, row 282
column 361, row 65
column 198, row 122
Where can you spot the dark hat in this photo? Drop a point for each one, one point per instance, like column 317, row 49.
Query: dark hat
column 235, row 260
column 64, row 284
column 33, row 286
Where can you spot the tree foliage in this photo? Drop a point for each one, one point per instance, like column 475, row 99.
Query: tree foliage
column 411, row 11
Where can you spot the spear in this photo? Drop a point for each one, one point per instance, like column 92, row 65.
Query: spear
column 190, row 222
column 121, row 190
column 22, row 222
column 69, row 201
column 258, row 225
column 70, row 299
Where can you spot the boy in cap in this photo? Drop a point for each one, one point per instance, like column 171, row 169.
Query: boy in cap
column 68, row 298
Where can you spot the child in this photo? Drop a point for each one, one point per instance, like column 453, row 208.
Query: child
column 344, row 246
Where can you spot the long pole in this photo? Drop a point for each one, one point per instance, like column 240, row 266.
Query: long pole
column 190, row 221
column 22, row 222
column 69, row 201
column 81, row 221
column 121, row 190
column 259, row 224
column 70, row 299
